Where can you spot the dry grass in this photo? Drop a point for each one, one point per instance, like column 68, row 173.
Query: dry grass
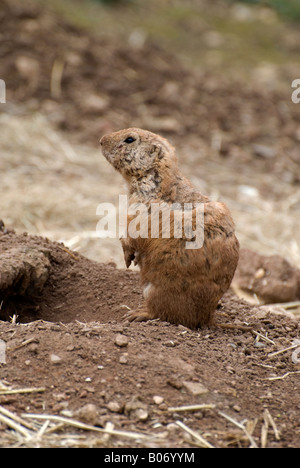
column 52, row 431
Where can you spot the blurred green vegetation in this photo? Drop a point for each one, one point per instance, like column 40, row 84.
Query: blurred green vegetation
column 289, row 9
column 234, row 36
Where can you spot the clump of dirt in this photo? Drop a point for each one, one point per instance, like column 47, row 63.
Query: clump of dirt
column 91, row 85
column 271, row 278
column 69, row 342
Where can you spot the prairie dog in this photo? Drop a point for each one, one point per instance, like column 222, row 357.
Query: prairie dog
column 180, row 285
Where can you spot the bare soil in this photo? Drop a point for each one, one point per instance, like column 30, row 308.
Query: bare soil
column 72, row 342
column 64, row 335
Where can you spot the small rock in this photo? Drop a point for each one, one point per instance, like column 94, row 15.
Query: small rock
column 158, row 399
column 123, row 359
column 263, row 151
column 175, row 383
column 59, row 396
column 172, row 427
column 33, row 348
column 55, row 359
column 170, row 344
column 87, row 413
column 195, row 388
column 121, row 340
column 90, row 389
column 114, row 407
column 141, row 414
column 60, row 406
column 136, row 409
column 259, row 344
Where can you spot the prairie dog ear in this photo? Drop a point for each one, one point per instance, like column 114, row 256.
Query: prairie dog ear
column 157, row 151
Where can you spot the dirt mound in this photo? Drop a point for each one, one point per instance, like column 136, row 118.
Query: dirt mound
column 91, row 85
column 78, row 359
column 272, row 279
column 76, row 288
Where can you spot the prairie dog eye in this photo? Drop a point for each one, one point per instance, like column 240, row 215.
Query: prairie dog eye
column 129, row 140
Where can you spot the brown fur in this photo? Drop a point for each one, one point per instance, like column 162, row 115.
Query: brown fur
column 180, row 285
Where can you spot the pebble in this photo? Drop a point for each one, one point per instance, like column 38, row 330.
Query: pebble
column 114, row 407
column 87, row 413
column 175, row 383
column 170, row 344
column 172, row 427
column 237, row 408
column 259, row 344
column 141, row 414
column 195, row 388
column 264, row 151
column 123, row 359
column 137, row 409
column 158, row 399
column 121, row 340
column 55, row 359
column 33, row 348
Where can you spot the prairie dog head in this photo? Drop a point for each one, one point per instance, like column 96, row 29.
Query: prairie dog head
column 135, row 152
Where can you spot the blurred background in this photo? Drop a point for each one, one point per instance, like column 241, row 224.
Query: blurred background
column 213, row 77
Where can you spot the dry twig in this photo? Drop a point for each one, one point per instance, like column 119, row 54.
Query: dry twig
column 241, row 426
column 87, row 427
column 268, row 420
column 12, row 391
column 283, row 350
column 281, row 377
column 15, row 418
column 15, row 426
column 202, row 442
column 190, row 408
